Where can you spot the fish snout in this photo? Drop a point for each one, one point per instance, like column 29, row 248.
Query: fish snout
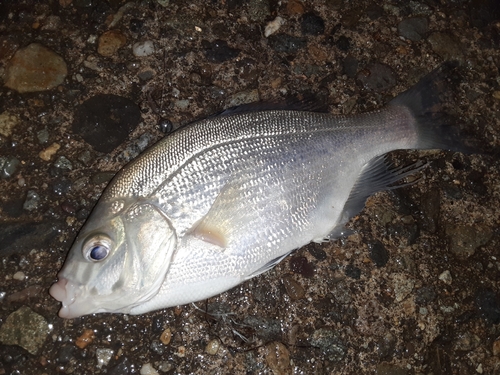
column 65, row 292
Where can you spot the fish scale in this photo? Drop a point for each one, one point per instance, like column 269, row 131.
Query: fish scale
column 226, row 198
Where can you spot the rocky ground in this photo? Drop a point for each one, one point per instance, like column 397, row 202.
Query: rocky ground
column 87, row 85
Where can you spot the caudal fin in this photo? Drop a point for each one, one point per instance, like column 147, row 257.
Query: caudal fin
column 427, row 101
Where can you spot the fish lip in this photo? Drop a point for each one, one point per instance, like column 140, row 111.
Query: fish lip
column 66, row 292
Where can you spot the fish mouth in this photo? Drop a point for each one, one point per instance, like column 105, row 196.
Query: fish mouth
column 66, row 291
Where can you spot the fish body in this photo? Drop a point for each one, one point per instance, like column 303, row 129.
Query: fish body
column 225, row 199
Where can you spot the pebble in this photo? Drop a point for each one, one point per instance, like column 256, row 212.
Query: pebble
column 8, row 166
column 496, row 348
column 312, row 24
column 243, row 97
column 267, row 329
column 446, row 277
column 378, row 77
column 293, row 288
column 104, row 121
column 295, row 7
column 446, row 46
column 142, row 49
column 148, row 369
column 465, row 239
column 403, row 286
column 278, row 358
column 110, row 42
column 26, row 329
column 330, row 343
column 301, row 266
column 7, row 123
column 35, row 68
column 63, row 163
column 286, row 43
column 103, row 356
column 166, row 336
column 413, row 28
column 219, row 51
column 42, row 136
column 19, row 275
column 85, row 338
column 212, row 347
column 258, row 10
column 378, row 253
column 32, row 200
column 47, row 153
column 273, row 26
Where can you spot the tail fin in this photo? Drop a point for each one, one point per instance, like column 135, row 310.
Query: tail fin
column 427, row 101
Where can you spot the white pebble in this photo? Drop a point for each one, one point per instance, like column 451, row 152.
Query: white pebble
column 446, row 277
column 148, row 369
column 103, row 356
column 19, row 275
column 273, row 26
column 141, row 49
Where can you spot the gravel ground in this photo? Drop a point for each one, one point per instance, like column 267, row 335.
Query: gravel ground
column 87, row 85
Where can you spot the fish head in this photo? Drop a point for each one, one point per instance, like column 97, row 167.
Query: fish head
column 118, row 261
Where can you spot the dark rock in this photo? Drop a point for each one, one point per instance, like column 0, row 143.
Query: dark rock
column 377, row 77
column 343, row 43
column 330, row 343
column 61, row 186
column 123, row 367
column 8, row 166
column 219, row 51
column 413, row 28
column 23, row 237
column 286, row 43
column 430, row 203
column 136, row 26
column 312, row 24
column 353, row 272
column 301, row 266
column 266, row 328
column 105, row 121
column 378, row 253
column 488, row 305
column 293, row 288
column 66, row 353
column 425, row 295
column 317, row 252
column 350, row 66
column 374, row 11
column 166, row 126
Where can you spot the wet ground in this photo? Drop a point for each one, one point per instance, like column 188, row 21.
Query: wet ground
column 87, row 85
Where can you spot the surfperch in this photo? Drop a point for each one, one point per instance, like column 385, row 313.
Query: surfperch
column 224, row 199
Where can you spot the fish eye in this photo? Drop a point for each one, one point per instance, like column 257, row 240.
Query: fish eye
column 97, row 248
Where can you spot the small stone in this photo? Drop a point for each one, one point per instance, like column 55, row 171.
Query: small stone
column 378, row 253
column 43, row 136
column 301, row 266
column 49, row 151
column 243, row 97
column 19, row 275
column 85, row 339
column 212, row 347
column 26, row 329
column 293, row 288
column 465, row 239
column 103, row 356
column 219, row 51
column 377, row 77
column 35, row 68
column 258, row 10
column 273, row 26
column 403, row 286
column 330, row 343
column 141, row 49
column 32, row 200
column 286, row 43
column 63, row 163
column 413, row 28
column 110, row 42
column 446, row 46
column 7, row 123
column 148, row 369
column 8, row 166
column 312, row 24
column 278, row 358
column 295, row 7
column 446, row 277
column 496, row 348
column 166, row 336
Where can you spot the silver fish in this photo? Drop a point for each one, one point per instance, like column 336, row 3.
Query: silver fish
column 225, row 199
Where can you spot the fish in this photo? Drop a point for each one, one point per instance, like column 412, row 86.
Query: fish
column 224, row 199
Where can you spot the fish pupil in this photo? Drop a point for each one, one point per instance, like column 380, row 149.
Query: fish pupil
column 98, row 252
